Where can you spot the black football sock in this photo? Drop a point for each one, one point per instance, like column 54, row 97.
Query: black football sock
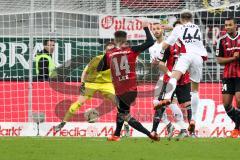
column 230, row 110
column 157, row 118
column 119, row 124
column 156, row 121
column 237, row 118
column 161, row 96
column 189, row 113
column 138, row 126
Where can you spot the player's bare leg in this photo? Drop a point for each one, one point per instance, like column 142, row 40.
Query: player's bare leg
column 171, row 86
column 71, row 111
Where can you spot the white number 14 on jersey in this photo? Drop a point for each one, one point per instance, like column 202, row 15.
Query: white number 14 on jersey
column 120, row 67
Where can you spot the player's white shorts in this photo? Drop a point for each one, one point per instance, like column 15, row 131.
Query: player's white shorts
column 192, row 63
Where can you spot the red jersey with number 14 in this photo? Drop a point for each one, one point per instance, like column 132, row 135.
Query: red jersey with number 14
column 122, row 62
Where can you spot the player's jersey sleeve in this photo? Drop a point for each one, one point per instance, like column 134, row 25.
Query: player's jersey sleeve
column 173, row 36
column 166, row 54
column 219, row 49
column 148, row 43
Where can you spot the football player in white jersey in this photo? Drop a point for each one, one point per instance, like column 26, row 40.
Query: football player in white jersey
column 156, row 49
column 192, row 60
column 160, row 114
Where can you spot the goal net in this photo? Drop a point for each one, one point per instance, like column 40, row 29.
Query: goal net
column 80, row 29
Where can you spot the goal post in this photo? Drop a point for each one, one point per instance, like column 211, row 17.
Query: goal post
column 80, row 29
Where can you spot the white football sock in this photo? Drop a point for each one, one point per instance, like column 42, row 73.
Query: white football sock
column 171, row 86
column 178, row 115
column 194, row 104
column 165, row 118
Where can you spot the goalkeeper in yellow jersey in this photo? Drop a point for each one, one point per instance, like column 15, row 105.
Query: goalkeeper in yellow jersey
column 92, row 81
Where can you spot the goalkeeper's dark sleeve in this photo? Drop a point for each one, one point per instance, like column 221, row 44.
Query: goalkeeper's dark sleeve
column 102, row 66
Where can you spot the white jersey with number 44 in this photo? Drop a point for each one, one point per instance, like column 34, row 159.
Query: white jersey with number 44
column 191, row 37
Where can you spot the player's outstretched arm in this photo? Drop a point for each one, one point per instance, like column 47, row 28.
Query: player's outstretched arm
column 84, row 74
column 170, row 40
column 148, row 43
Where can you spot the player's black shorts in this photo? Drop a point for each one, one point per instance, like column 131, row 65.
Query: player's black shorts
column 124, row 101
column 182, row 92
column 230, row 85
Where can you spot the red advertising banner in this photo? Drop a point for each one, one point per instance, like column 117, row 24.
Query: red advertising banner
column 54, row 100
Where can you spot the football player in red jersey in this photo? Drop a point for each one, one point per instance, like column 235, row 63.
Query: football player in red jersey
column 228, row 54
column 121, row 60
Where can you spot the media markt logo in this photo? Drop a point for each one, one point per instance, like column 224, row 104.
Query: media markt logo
column 215, row 6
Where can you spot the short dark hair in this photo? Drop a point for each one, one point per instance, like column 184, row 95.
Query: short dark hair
column 186, row 16
column 177, row 22
column 47, row 40
column 120, row 34
column 231, row 19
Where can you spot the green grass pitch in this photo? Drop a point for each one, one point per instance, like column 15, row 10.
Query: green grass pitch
column 43, row 148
